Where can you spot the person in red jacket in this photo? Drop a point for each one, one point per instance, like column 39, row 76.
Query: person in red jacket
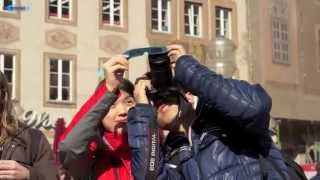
column 95, row 144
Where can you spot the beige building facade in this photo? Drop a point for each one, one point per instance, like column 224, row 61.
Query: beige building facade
column 284, row 37
column 51, row 51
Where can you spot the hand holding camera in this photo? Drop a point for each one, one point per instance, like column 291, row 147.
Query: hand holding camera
column 174, row 52
column 114, row 71
column 140, row 94
column 159, row 84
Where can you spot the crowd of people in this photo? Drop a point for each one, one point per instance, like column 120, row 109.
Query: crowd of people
column 224, row 136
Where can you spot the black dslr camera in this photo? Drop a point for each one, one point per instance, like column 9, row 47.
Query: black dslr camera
column 160, row 73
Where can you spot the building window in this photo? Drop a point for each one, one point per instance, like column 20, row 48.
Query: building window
column 280, row 38
column 113, row 15
column 192, row 18
column 60, row 79
column 8, row 68
column 161, row 15
column 61, row 11
column 223, row 22
column 112, row 12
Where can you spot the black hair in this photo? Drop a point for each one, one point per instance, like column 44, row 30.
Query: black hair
column 127, row 86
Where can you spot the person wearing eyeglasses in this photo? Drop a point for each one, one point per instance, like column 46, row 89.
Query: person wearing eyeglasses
column 25, row 152
column 95, row 144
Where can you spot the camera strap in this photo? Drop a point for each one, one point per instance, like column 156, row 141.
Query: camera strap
column 153, row 150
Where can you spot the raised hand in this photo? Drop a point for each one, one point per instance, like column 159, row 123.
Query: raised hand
column 175, row 51
column 114, row 71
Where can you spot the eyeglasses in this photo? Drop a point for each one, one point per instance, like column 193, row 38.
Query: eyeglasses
column 141, row 51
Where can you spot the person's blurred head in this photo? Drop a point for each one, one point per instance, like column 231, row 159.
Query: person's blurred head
column 117, row 116
column 174, row 105
column 174, row 110
column 9, row 124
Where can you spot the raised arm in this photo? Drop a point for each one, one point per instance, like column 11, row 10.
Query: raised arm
column 85, row 127
column 74, row 150
column 247, row 105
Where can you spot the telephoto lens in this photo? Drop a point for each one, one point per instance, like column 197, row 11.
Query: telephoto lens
column 161, row 74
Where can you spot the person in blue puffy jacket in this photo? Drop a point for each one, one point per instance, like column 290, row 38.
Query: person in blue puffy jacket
column 226, row 137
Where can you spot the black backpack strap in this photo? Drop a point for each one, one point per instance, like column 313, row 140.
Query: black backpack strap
column 263, row 167
column 293, row 165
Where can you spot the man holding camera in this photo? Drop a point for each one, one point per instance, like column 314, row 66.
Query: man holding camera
column 226, row 137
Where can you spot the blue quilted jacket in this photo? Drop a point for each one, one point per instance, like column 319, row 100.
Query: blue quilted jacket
column 229, row 138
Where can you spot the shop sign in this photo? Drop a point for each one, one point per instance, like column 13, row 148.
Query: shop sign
column 38, row 120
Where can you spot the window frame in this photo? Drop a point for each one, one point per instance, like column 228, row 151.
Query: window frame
column 73, row 13
column 159, row 19
column 73, row 90
column 234, row 26
column 15, row 14
column 222, row 20
column 191, row 16
column 163, row 36
column 15, row 96
column 277, row 34
column 280, row 41
column 123, row 18
column 204, row 19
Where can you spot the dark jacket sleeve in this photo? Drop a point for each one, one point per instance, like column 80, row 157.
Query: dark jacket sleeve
column 246, row 106
column 74, row 149
column 43, row 167
column 138, row 123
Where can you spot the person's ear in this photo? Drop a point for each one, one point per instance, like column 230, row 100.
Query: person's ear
column 163, row 109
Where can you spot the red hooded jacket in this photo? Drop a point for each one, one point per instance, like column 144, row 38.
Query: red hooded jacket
column 114, row 162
